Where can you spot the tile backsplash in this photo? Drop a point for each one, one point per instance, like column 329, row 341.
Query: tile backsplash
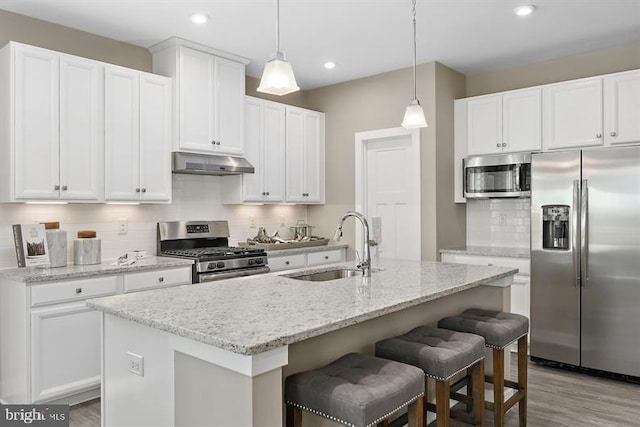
column 499, row 222
column 194, row 198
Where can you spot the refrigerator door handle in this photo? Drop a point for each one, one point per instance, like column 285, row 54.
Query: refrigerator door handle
column 575, row 220
column 584, row 234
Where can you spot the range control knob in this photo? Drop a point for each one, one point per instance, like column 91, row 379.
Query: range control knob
column 220, row 265
column 251, row 262
column 259, row 260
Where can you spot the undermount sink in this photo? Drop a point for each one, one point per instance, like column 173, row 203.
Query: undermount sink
column 323, row 276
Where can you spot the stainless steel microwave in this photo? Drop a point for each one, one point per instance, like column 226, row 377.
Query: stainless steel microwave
column 502, row 175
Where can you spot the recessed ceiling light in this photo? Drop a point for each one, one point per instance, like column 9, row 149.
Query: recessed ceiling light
column 524, row 10
column 329, row 65
column 199, row 18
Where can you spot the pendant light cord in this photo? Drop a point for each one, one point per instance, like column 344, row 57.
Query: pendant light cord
column 415, row 92
column 278, row 25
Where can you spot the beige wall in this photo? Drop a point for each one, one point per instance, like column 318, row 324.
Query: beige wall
column 378, row 102
column 35, row 32
column 621, row 58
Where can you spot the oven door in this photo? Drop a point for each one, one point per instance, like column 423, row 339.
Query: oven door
column 497, row 176
column 229, row 274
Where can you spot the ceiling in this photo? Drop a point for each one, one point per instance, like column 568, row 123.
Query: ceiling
column 363, row 37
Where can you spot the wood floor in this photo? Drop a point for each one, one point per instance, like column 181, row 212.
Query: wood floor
column 557, row 398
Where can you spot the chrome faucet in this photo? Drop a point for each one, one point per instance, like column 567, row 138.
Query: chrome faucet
column 365, row 263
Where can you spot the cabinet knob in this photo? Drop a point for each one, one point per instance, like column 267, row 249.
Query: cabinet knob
column 612, row 134
column 326, row 257
column 598, row 135
column 160, row 279
column 56, row 187
column 78, row 290
column 213, row 143
column 268, row 193
column 504, row 144
column 144, row 190
column 264, row 193
column 217, row 142
column 64, row 188
column 137, row 190
column 286, row 263
column 498, row 145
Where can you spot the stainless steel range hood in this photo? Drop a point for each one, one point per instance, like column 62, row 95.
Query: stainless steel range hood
column 209, row 164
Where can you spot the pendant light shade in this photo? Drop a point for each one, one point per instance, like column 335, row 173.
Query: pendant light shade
column 277, row 77
column 414, row 115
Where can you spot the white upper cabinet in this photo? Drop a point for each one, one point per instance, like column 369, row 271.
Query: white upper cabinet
column 504, row 123
column 265, row 149
column 52, row 147
column 209, row 88
column 572, row 114
column 305, row 156
column 622, row 108
column 137, row 136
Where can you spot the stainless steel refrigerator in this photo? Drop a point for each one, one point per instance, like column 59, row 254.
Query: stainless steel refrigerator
column 585, row 259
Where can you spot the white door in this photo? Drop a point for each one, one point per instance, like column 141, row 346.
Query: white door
column 36, row 123
column 484, row 125
column 388, row 186
column 229, row 106
column 295, row 168
column 81, row 128
column 522, row 120
column 273, row 149
column 155, row 137
column 252, row 182
column 622, row 108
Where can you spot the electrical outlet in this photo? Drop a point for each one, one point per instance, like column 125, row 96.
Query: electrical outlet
column 123, row 226
column 252, row 222
column 135, row 364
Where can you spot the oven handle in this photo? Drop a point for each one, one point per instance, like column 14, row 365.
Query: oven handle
column 210, row 277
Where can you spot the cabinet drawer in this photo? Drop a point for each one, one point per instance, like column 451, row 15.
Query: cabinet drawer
column 286, row 262
column 157, row 278
column 326, row 257
column 72, row 290
column 521, row 264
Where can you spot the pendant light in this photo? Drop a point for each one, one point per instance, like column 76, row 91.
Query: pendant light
column 277, row 77
column 414, row 115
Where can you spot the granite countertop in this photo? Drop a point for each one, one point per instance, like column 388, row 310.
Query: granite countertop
column 31, row 275
column 307, row 250
column 251, row 315
column 489, row 251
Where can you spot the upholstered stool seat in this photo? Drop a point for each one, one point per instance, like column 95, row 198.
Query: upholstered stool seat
column 356, row 390
column 499, row 330
column 441, row 354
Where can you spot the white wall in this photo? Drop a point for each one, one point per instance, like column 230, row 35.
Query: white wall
column 498, row 222
column 194, row 198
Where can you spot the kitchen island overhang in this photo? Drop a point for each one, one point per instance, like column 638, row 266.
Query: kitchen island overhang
column 219, row 352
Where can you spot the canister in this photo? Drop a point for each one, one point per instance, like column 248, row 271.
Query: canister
column 56, row 244
column 87, row 248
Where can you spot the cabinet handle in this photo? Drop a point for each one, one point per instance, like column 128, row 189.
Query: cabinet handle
column 286, row 263
column 64, row 188
column 78, row 290
column 160, row 279
column 137, row 190
column 612, row 134
column 144, row 190
column 326, row 257
column 504, row 144
column 598, row 135
column 56, row 187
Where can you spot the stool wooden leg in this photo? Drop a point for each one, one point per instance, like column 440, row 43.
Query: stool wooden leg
column 498, row 387
column 384, row 423
column 477, row 392
column 294, row 416
column 522, row 379
column 442, row 403
column 470, row 378
column 416, row 413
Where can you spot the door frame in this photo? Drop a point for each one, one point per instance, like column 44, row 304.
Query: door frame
column 361, row 141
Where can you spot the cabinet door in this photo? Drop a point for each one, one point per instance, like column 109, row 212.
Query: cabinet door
column 313, row 148
column 155, row 138
column 122, row 175
column 65, row 349
column 572, row 114
column 274, row 151
column 197, row 106
column 36, row 124
column 229, row 106
column 81, row 128
column 252, row 190
column 295, row 160
column 484, row 125
column 522, row 121
column 622, row 108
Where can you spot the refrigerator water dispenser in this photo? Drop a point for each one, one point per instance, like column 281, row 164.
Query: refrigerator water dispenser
column 555, row 227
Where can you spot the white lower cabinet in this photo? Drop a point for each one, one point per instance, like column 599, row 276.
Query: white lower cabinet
column 50, row 343
column 520, row 291
column 288, row 262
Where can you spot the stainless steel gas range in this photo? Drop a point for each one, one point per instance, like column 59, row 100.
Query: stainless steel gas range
column 207, row 243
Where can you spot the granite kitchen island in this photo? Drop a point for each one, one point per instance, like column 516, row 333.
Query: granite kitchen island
column 217, row 353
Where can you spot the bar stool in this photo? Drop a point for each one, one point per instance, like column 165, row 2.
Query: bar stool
column 442, row 354
column 499, row 330
column 356, row 390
